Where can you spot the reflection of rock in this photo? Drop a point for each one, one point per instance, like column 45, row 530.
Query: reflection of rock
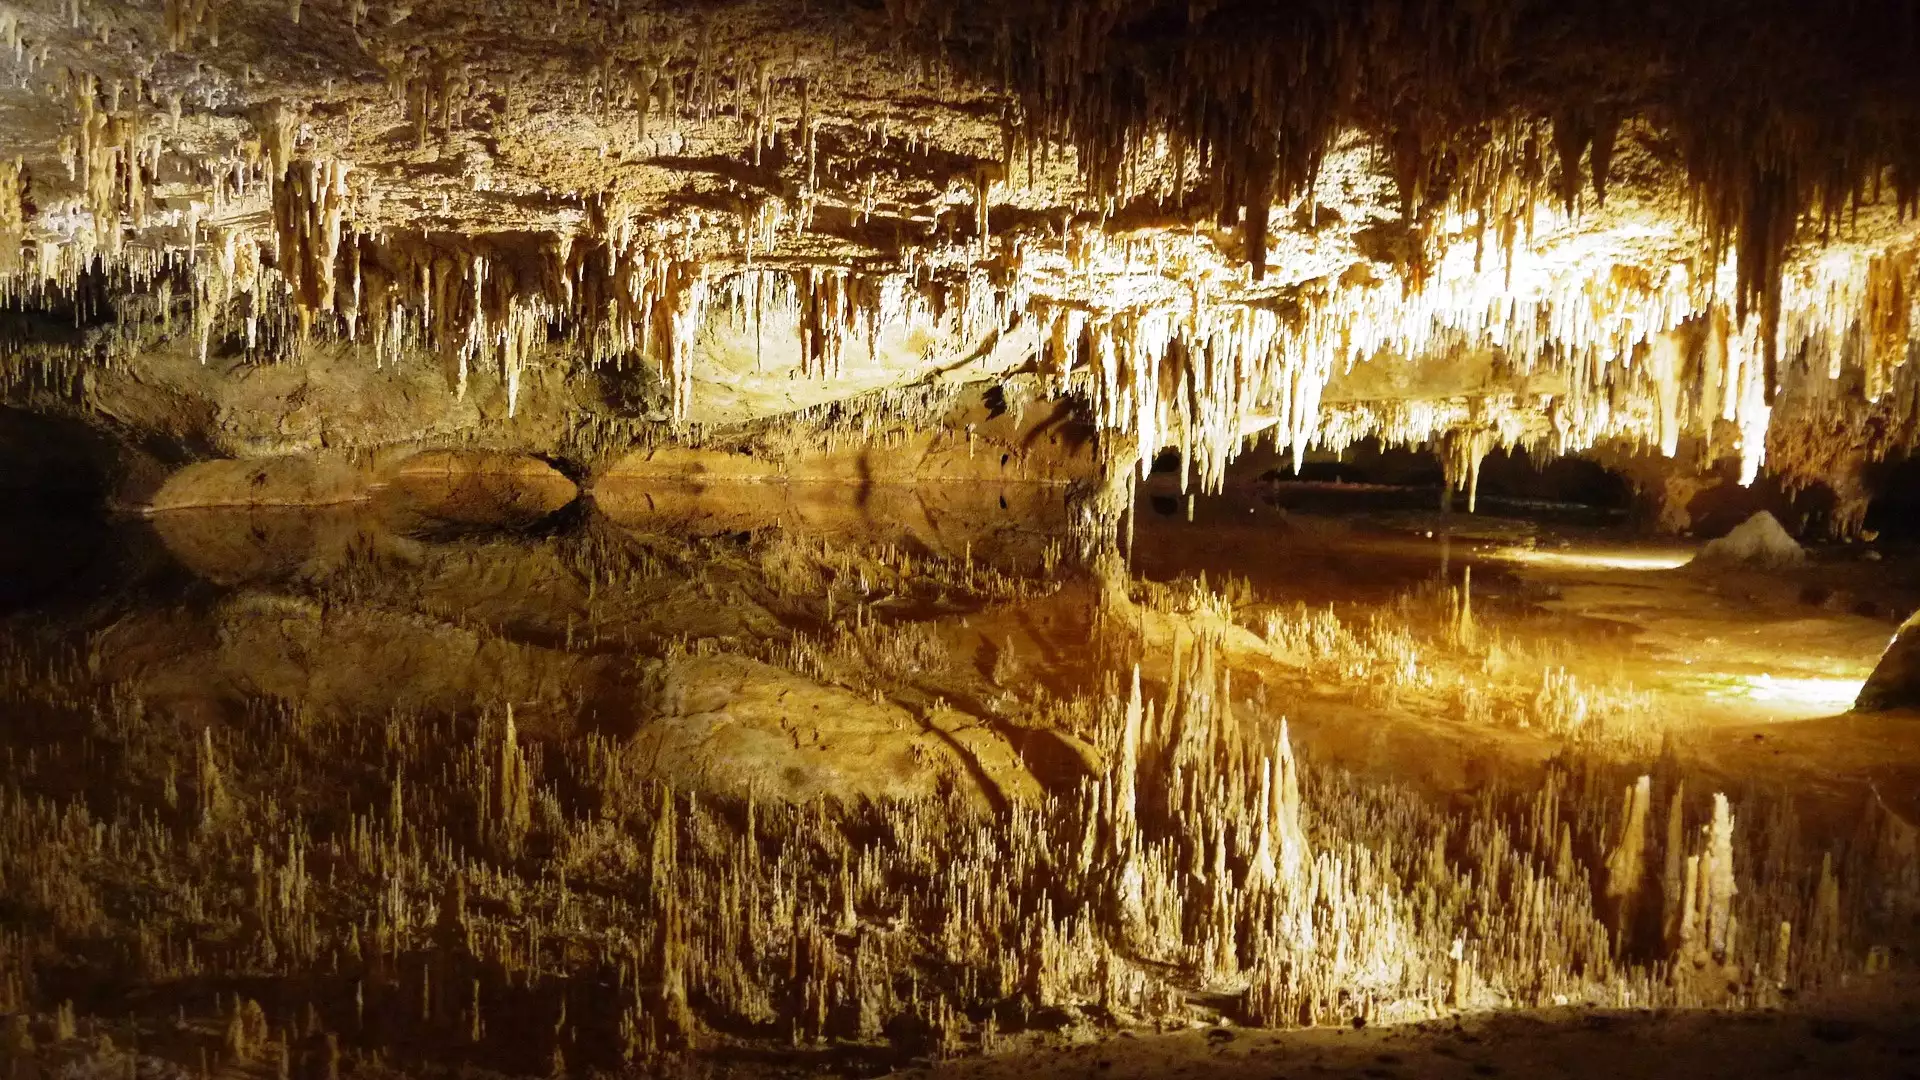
column 986, row 520
column 737, row 725
column 1895, row 682
column 992, row 482
column 53, row 557
column 992, row 759
column 230, row 545
column 1758, row 541
column 352, row 616
column 351, row 663
column 476, row 488
column 297, row 518
column 463, row 487
column 538, row 587
column 939, row 456
column 1059, row 760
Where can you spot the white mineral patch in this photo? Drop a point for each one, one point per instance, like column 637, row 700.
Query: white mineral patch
column 1758, row 541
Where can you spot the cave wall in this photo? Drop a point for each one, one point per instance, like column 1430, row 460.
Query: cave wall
column 250, row 230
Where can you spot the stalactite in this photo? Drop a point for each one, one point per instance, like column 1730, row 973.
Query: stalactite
column 1179, row 360
column 1626, row 863
column 509, row 796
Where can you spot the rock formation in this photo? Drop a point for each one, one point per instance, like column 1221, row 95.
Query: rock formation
column 242, row 228
column 1895, row 682
column 628, row 508
column 1760, row 541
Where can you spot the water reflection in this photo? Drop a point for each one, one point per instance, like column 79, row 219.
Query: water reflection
column 881, row 768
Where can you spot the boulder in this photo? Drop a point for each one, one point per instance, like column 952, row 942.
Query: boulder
column 292, row 480
column 1895, row 682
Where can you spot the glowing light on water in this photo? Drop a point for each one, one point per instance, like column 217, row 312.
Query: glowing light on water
column 1825, row 693
column 1667, row 559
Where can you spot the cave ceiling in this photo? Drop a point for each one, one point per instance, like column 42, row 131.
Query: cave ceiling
column 1671, row 229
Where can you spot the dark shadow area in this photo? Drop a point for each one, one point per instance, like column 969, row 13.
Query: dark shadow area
column 1805, row 513
column 49, row 554
column 55, row 543
column 1893, row 491
column 1370, row 476
column 1520, row 477
column 53, row 463
column 1366, row 462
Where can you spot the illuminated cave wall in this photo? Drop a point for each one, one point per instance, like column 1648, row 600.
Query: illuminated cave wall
column 1651, row 231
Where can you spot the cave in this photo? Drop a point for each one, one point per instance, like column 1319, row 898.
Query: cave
column 735, row 538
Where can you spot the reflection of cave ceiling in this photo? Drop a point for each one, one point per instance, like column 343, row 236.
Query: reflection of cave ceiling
column 1669, row 226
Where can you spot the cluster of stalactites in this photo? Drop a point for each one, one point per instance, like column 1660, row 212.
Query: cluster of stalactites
column 1241, row 119
column 13, row 217
column 491, row 302
column 113, row 225
column 110, row 155
column 186, row 20
column 1875, row 294
column 1203, row 379
column 1621, row 354
column 1238, row 110
column 1227, row 124
column 495, row 301
column 835, row 308
column 1206, row 376
column 1202, row 374
column 308, row 218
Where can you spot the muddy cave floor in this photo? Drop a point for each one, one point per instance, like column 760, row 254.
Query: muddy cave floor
column 1438, row 652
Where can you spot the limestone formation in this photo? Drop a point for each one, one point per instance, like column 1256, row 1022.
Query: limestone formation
column 1760, row 542
column 636, row 226
column 1895, row 682
column 631, row 524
